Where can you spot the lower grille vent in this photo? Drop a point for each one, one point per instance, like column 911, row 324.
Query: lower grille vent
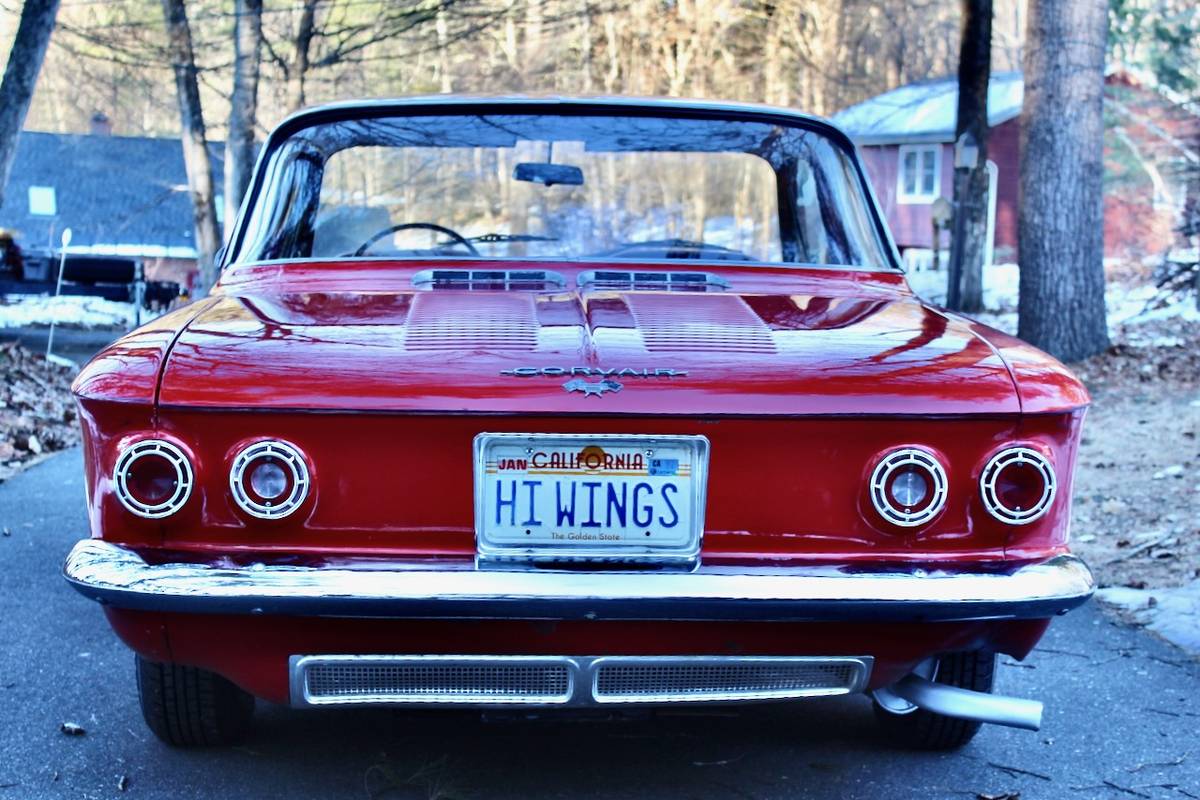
column 436, row 680
column 626, row 682
column 568, row 680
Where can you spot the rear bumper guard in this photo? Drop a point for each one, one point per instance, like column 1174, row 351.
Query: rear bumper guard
column 118, row 576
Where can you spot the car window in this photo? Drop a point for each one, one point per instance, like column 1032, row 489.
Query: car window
column 565, row 187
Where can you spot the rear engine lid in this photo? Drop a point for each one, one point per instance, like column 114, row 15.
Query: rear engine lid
column 602, row 348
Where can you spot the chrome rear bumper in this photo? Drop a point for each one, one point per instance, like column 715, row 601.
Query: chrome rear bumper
column 117, row 576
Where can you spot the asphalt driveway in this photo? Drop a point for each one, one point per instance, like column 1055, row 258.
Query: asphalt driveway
column 1122, row 720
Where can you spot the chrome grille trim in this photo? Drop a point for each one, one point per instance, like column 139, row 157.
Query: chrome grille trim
column 430, row 680
column 690, row 679
column 453, row 680
column 650, row 279
column 489, row 279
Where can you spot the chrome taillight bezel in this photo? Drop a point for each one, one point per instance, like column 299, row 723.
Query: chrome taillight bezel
column 891, row 462
column 291, row 458
column 184, row 477
column 1020, row 454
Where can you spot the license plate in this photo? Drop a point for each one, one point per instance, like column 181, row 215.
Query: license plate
column 549, row 497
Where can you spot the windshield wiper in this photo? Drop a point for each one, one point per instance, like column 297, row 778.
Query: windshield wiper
column 679, row 248
column 495, row 238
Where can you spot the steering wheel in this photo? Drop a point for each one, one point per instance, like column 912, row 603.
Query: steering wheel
column 428, row 226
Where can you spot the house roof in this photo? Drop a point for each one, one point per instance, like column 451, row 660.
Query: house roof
column 926, row 111
column 120, row 195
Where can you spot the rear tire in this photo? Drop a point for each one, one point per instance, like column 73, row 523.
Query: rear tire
column 188, row 706
column 926, row 730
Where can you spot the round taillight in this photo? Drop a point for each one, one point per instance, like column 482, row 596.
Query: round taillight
column 1018, row 485
column 269, row 479
column 908, row 487
column 153, row 478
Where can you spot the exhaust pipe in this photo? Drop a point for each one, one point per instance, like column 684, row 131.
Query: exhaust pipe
column 951, row 701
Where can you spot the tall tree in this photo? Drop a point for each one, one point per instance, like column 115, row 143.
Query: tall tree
column 296, row 68
column 195, row 143
column 965, row 289
column 1061, row 217
column 20, row 76
column 243, row 104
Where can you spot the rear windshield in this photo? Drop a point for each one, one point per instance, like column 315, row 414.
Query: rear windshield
column 563, row 187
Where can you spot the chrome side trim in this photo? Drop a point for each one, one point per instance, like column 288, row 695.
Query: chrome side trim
column 578, row 681
column 118, row 576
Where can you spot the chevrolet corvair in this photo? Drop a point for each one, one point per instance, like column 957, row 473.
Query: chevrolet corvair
column 572, row 404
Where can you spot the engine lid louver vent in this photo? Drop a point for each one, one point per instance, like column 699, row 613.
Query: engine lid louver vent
column 528, row 279
column 672, row 281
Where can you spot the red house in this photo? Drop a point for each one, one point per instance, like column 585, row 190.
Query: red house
column 907, row 141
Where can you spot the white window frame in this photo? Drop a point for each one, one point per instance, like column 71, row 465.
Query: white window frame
column 43, row 201
column 921, row 151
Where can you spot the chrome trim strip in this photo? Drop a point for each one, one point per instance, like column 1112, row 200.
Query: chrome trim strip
column 583, row 679
column 118, row 576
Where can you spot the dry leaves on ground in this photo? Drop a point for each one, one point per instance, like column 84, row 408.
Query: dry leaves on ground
column 1136, row 513
column 37, row 411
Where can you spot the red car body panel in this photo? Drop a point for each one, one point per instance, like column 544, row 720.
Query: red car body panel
column 782, row 342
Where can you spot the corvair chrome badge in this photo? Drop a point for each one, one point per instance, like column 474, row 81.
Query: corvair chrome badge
column 589, row 389
column 592, row 372
column 608, row 377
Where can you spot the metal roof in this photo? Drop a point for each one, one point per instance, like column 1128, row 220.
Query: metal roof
column 926, row 111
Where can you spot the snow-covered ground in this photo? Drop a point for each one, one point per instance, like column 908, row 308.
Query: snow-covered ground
column 1127, row 304
column 24, row 310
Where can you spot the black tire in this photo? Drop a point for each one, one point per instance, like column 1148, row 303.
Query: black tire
column 925, row 730
column 187, row 706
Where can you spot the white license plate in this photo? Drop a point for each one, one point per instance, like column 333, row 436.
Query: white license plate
column 548, row 497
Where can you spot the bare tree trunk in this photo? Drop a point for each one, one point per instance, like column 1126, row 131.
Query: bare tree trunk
column 243, row 110
column 297, row 70
column 1061, row 218
column 964, row 291
column 443, row 37
column 20, row 76
column 195, row 145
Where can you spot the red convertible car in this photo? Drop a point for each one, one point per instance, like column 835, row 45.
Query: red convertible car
column 572, row 404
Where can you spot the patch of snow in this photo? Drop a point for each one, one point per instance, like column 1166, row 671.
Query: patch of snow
column 1127, row 306
column 1173, row 614
column 23, row 310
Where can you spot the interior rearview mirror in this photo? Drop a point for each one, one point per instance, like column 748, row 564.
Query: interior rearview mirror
column 548, row 174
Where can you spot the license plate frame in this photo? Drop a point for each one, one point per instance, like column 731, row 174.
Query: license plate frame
column 492, row 550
